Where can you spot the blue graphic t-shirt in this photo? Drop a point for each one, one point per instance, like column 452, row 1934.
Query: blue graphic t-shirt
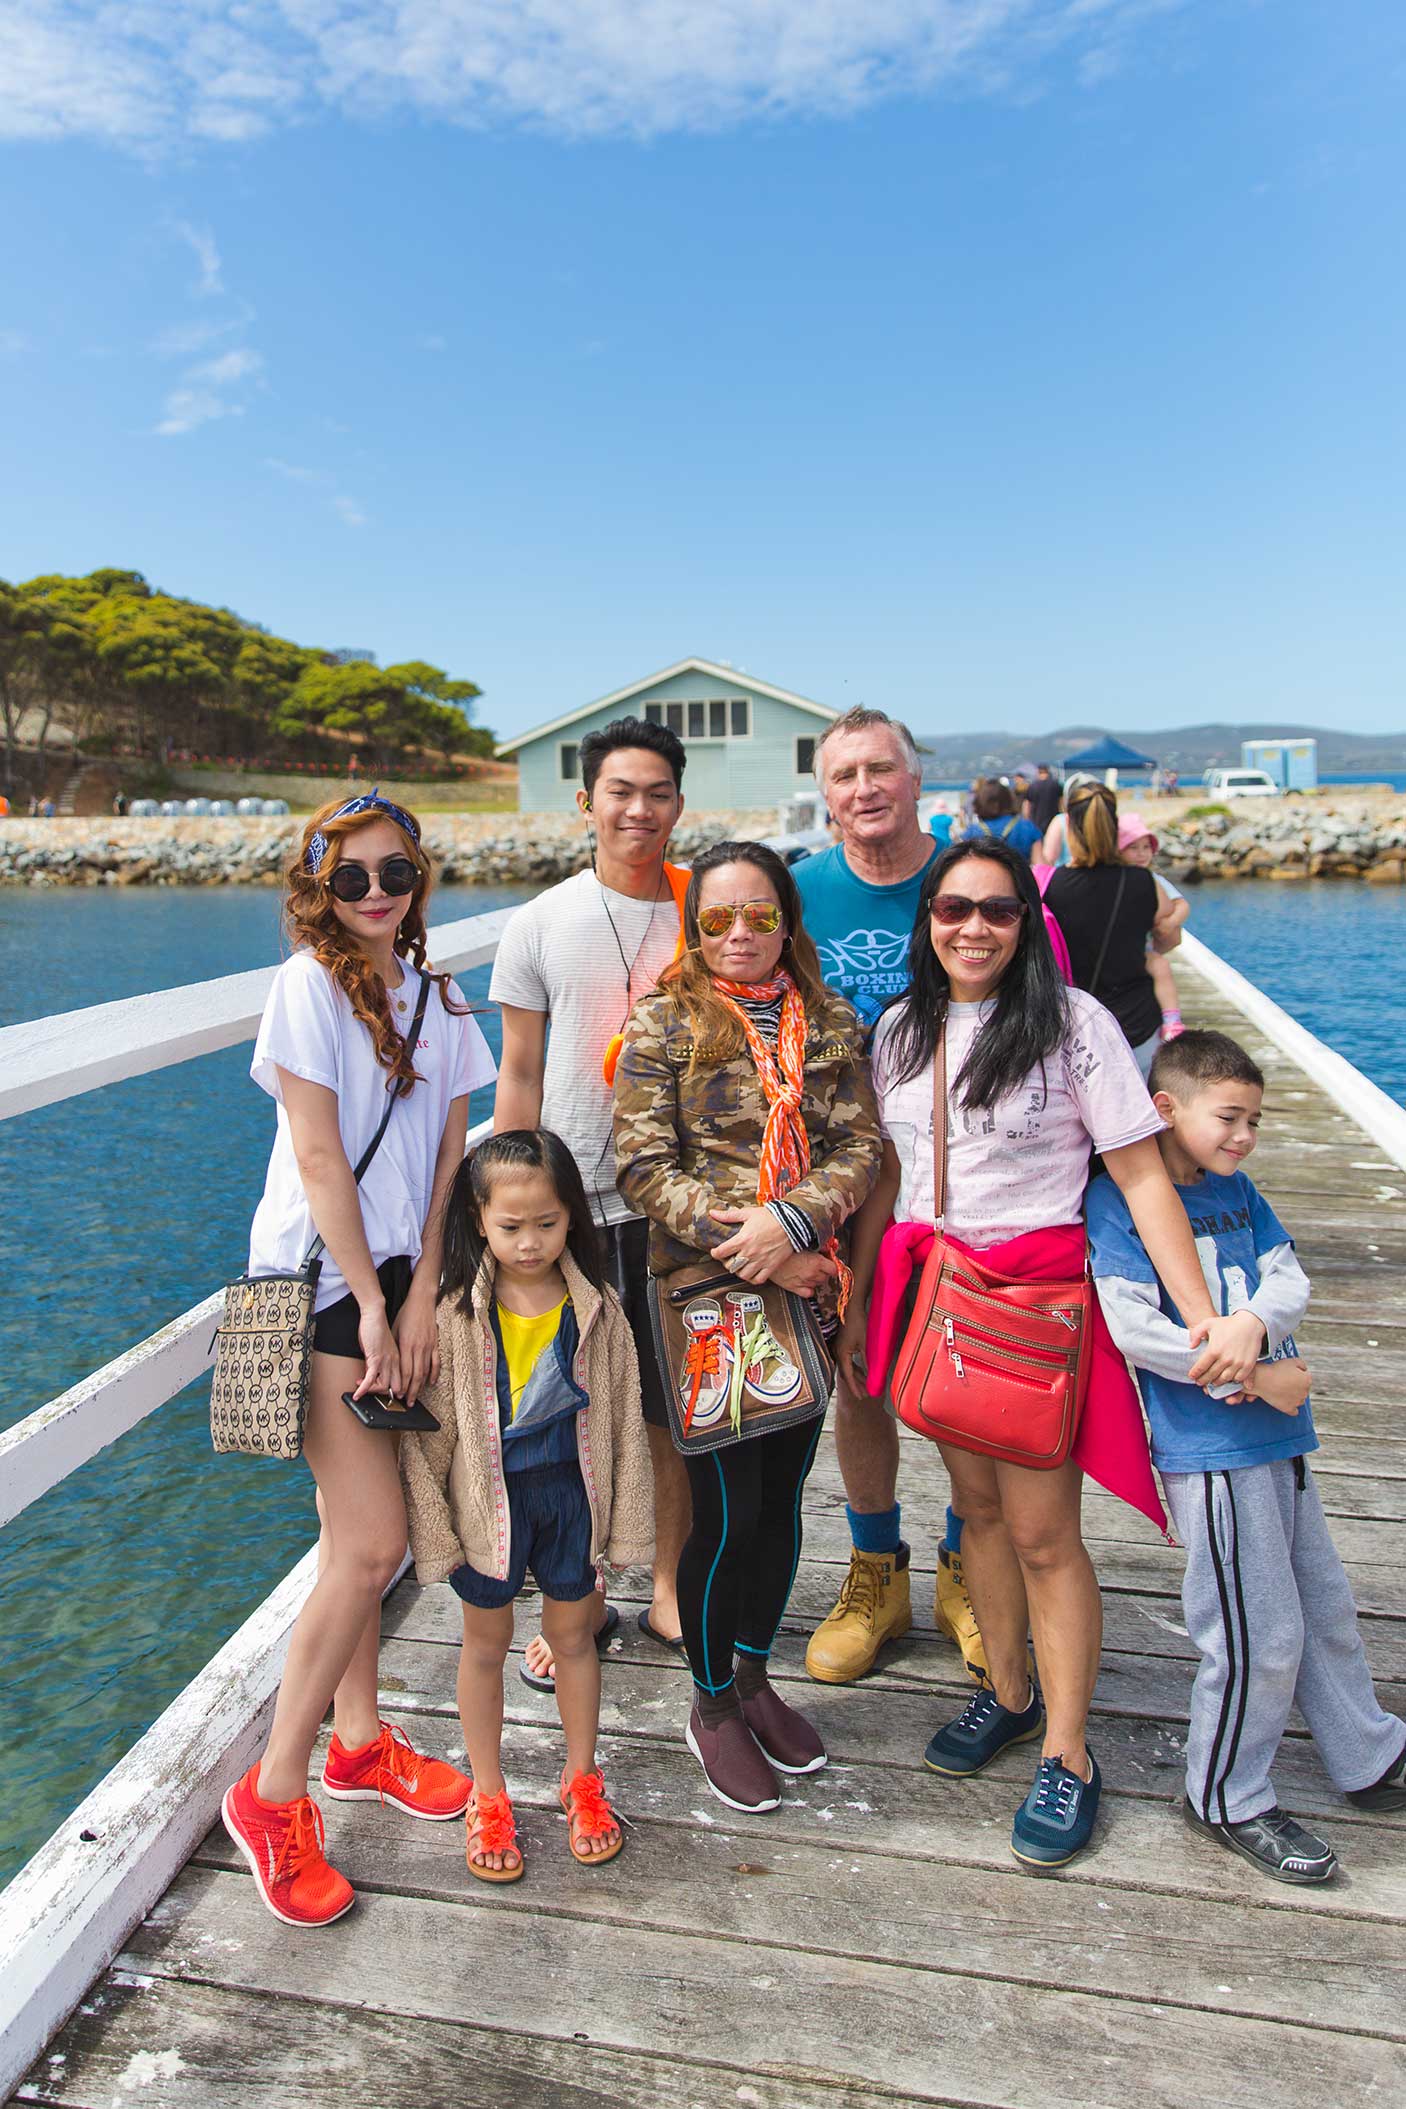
column 861, row 931
column 1236, row 1231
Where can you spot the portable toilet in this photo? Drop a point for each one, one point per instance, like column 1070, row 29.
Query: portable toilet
column 1292, row 763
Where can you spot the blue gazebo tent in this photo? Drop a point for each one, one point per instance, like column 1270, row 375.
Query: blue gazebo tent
column 1108, row 753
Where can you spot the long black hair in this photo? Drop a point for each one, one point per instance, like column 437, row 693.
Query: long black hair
column 516, row 1150
column 1031, row 1014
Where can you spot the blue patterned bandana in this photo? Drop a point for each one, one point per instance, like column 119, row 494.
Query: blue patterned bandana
column 368, row 801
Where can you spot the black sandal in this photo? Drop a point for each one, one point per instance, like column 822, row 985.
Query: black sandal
column 549, row 1684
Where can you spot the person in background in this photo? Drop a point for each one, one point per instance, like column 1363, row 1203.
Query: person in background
column 571, row 964
column 1042, row 799
column 1108, row 910
column 1138, row 845
column 940, row 824
column 859, row 900
column 995, row 817
column 1267, row 1604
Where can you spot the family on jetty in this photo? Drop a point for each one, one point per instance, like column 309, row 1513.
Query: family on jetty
column 764, row 1136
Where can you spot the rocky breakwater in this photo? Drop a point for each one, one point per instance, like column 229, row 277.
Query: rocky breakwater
column 485, row 848
column 1289, row 839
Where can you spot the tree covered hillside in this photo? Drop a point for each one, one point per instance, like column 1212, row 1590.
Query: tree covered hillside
column 110, row 665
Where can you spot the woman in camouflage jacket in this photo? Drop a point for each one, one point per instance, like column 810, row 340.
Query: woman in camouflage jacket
column 745, row 1129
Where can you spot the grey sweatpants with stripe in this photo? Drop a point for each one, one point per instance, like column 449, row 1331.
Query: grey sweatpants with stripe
column 1271, row 1612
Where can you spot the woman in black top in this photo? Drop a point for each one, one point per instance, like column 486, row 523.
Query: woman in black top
column 1107, row 910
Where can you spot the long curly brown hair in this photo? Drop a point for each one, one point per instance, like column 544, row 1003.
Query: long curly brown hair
column 311, row 918
column 717, row 1036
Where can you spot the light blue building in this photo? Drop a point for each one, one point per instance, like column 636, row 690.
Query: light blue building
column 748, row 743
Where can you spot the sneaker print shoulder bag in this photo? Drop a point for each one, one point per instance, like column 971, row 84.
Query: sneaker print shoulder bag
column 737, row 1358
column 259, row 1394
column 989, row 1362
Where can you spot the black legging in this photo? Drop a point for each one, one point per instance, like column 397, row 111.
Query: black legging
column 740, row 1558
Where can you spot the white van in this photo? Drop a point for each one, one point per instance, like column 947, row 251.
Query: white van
column 1240, row 783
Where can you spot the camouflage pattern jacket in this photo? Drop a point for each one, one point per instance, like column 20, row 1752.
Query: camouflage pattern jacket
column 687, row 1144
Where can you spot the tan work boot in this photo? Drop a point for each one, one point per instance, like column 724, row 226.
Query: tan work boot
column 953, row 1615
column 874, row 1606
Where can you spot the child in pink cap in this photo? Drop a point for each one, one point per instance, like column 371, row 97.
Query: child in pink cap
column 1138, row 845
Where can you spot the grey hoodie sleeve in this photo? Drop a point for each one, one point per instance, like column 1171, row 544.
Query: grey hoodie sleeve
column 1282, row 1296
column 1145, row 1335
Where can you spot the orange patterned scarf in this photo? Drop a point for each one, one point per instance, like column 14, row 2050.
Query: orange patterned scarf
column 785, row 1143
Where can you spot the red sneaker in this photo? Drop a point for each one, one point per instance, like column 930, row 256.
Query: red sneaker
column 282, row 1841
column 392, row 1770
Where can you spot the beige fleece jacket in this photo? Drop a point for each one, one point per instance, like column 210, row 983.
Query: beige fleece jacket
column 455, row 1489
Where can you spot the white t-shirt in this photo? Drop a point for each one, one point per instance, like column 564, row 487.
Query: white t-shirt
column 1022, row 1164
column 310, row 1029
column 559, row 954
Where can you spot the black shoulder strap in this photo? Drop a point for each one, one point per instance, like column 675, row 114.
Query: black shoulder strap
column 315, row 1250
column 1103, row 948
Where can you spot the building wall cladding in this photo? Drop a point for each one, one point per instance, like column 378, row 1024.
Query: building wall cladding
column 724, row 768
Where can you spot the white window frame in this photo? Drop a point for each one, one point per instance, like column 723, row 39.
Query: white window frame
column 811, row 740
column 657, row 713
column 573, row 748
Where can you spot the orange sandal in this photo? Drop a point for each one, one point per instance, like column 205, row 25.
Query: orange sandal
column 589, row 1815
column 490, row 1828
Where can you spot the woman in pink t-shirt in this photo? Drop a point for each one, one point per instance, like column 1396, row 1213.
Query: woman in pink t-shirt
column 1038, row 1074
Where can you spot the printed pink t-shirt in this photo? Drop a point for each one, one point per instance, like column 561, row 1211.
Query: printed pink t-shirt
column 1023, row 1163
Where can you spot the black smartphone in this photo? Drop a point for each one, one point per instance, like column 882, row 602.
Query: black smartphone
column 381, row 1409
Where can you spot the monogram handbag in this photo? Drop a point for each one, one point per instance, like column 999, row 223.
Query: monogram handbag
column 259, row 1393
column 737, row 1358
column 991, row 1363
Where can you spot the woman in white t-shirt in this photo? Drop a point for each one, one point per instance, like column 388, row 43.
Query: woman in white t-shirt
column 1037, row 1074
column 335, row 1037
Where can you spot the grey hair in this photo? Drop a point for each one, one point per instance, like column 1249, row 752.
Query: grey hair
column 859, row 719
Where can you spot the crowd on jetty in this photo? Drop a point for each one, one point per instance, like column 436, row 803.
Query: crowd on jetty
column 767, row 1140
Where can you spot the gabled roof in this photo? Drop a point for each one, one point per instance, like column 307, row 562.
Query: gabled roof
column 728, row 674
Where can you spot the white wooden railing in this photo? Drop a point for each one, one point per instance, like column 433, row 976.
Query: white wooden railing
column 70, row 1909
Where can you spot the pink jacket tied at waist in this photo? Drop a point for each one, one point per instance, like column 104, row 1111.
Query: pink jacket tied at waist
column 1111, row 1445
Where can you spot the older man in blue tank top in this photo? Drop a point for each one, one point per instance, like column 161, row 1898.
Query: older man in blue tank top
column 860, row 899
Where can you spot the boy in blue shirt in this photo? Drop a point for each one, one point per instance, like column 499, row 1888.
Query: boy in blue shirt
column 1266, row 1600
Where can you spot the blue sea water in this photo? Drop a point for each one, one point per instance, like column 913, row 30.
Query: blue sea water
column 126, row 1206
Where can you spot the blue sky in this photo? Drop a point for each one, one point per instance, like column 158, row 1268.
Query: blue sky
column 1008, row 363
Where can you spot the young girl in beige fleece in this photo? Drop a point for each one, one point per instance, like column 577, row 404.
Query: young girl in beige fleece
column 540, row 1461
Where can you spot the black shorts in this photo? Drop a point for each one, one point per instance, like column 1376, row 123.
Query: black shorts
column 627, row 1271
column 334, row 1331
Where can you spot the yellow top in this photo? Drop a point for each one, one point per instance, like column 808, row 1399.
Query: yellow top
column 524, row 1340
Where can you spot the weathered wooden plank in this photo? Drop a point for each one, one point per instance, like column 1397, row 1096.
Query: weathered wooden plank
column 171, row 2045
column 812, row 2017
column 1185, row 1951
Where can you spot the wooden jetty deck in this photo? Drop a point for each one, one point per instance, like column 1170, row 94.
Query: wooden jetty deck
column 872, row 1941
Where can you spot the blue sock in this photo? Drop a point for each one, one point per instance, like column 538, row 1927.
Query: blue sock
column 953, row 1540
column 874, row 1530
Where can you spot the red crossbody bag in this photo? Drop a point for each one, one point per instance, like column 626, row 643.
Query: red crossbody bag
column 990, row 1363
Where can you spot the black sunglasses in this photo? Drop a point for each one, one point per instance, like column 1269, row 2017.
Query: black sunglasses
column 352, row 882
column 999, row 910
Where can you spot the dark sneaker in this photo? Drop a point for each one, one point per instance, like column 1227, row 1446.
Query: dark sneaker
column 733, row 1764
column 785, row 1737
column 1389, row 1792
column 1056, row 1819
column 981, row 1732
column 1273, row 1843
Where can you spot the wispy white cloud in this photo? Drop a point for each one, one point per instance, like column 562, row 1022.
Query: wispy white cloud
column 209, row 391
column 349, row 511
column 206, row 255
column 292, row 471
column 432, row 341
column 12, row 343
column 140, row 72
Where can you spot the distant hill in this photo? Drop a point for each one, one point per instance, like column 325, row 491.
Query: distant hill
column 1186, row 748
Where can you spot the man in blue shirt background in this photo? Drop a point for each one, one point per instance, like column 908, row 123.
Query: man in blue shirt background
column 860, row 900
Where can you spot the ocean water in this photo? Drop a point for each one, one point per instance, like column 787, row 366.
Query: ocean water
column 128, row 1205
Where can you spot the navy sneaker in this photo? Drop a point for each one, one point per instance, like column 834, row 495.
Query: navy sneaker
column 1056, row 1819
column 981, row 1732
